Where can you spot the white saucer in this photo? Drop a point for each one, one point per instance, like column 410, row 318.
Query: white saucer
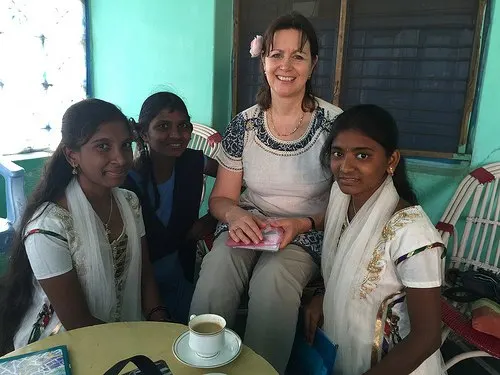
column 230, row 351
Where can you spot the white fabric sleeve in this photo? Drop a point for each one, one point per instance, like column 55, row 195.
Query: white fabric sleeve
column 422, row 269
column 49, row 256
column 231, row 152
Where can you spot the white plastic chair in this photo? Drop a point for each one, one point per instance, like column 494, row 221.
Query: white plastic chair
column 200, row 139
column 476, row 246
column 208, row 140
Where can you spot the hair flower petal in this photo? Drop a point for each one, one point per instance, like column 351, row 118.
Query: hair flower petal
column 256, row 46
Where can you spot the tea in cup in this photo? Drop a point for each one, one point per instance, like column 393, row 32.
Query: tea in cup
column 206, row 334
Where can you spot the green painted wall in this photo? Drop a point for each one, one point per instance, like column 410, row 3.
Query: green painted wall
column 435, row 184
column 140, row 47
column 486, row 146
column 223, row 40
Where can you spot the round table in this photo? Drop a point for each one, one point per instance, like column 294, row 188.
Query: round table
column 93, row 350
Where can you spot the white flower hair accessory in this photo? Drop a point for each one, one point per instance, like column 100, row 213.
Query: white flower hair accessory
column 256, row 46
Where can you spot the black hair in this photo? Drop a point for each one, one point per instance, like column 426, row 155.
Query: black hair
column 298, row 22
column 379, row 125
column 151, row 107
column 79, row 123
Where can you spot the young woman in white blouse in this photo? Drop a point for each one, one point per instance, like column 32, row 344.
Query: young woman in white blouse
column 381, row 258
column 80, row 257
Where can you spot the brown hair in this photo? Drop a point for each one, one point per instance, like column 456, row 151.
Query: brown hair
column 300, row 23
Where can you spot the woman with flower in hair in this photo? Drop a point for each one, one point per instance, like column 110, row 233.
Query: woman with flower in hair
column 272, row 150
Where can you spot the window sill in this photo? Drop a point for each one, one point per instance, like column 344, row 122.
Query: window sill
column 441, row 167
column 28, row 156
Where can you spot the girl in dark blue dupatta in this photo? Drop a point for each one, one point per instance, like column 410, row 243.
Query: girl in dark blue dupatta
column 168, row 179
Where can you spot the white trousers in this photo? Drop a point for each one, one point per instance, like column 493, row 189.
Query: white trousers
column 275, row 283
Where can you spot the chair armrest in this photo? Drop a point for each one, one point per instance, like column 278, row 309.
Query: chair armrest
column 14, row 190
column 10, row 169
column 462, row 326
column 209, row 241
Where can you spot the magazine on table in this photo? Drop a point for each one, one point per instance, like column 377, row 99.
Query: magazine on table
column 52, row 361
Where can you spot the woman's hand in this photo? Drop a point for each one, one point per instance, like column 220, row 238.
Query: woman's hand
column 313, row 317
column 244, row 227
column 292, row 228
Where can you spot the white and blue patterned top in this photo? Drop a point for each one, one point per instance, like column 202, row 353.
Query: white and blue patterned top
column 282, row 178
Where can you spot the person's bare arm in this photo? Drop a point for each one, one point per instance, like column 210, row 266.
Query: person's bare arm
column 424, row 308
column 313, row 317
column 202, row 227
column 223, row 203
column 226, row 193
column 66, row 296
column 150, row 295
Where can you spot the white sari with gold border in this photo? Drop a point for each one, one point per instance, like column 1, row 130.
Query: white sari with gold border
column 366, row 266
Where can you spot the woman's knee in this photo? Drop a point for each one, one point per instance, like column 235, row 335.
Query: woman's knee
column 282, row 277
column 273, row 284
column 225, row 259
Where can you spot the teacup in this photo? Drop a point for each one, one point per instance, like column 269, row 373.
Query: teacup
column 206, row 334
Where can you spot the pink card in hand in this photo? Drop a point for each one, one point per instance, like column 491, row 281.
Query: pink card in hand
column 271, row 241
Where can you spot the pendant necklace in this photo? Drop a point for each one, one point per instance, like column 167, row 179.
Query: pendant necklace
column 292, row 132
column 106, row 224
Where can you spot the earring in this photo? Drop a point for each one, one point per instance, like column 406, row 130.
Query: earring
column 391, row 171
column 75, row 170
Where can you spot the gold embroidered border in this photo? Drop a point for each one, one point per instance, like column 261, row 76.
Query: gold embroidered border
column 377, row 264
column 379, row 327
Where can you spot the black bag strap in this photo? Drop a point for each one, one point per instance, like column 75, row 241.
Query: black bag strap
column 143, row 363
